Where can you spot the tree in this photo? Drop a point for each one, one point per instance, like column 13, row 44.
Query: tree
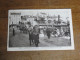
column 29, row 23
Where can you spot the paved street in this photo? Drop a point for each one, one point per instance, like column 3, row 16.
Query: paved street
column 22, row 40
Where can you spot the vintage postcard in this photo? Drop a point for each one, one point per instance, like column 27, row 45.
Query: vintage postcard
column 40, row 29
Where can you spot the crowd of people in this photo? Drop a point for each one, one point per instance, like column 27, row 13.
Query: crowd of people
column 34, row 33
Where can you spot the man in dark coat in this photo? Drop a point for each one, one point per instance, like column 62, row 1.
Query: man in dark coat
column 48, row 33
column 31, row 36
column 13, row 31
column 36, row 35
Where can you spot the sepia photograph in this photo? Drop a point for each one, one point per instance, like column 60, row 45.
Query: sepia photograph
column 40, row 29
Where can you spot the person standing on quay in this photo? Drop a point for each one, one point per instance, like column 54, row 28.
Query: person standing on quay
column 30, row 29
column 13, row 31
column 36, row 35
column 48, row 33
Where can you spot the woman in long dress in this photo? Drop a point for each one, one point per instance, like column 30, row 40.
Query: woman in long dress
column 36, row 35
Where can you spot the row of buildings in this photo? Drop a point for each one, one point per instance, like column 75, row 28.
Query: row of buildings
column 41, row 19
